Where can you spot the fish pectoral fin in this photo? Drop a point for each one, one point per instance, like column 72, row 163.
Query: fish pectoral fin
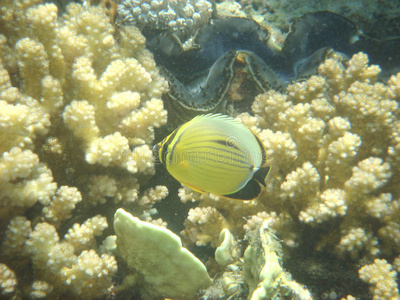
column 249, row 192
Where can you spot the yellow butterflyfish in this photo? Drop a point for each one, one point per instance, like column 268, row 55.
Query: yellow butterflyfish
column 215, row 153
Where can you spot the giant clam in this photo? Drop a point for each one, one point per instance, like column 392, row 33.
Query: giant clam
column 234, row 59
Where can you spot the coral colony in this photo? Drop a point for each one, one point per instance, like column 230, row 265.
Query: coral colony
column 81, row 102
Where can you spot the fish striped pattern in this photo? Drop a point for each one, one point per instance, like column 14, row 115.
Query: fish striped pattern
column 212, row 153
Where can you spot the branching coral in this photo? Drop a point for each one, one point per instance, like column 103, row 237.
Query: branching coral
column 337, row 172
column 83, row 273
column 7, row 280
column 79, row 101
column 333, row 143
column 24, row 180
column 79, row 104
column 382, row 279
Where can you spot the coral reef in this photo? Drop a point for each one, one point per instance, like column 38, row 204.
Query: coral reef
column 7, row 280
column 333, row 143
column 382, row 277
column 183, row 17
column 79, row 101
column 79, row 105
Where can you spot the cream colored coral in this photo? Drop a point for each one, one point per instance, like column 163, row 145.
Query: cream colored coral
column 312, row 88
column 8, row 59
column 33, row 65
column 59, row 256
column 343, row 149
column 382, row 278
column 24, row 180
column 110, row 84
column 203, row 226
column 52, row 95
column 100, row 188
column 112, row 149
column 79, row 116
column 269, row 106
column 281, row 149
column 396, row 264
column 140, row 125
column 390, row 235
column 302, row 183
column 43, row 22
column 364, row 102
column 60, row 265
column 41, row 241
column 8, row 280
column 369, row 175
column 332, row 203
column 128, row 191
column 281, row 224
column 186, row 194
column 355, row 240
column 334, row 73
column 82, row 237
column 123, row 102
column 142, row 160
column 338, row 126
column 322, row 108
column 394, row 86
column 299, row 121
column 358, row 69
column 340, row 154
column 349, row 297
column 20, row 123
column 380, row 206
column 153, row 195
column 16, row 235
column 40, row 289
column 62, row 204
column 250, row 122
column 92, row 274
column 74, row 80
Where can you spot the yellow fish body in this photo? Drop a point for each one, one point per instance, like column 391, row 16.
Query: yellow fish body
column 216, row 154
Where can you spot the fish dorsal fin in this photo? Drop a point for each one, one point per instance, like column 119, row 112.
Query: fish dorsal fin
column 218, row 117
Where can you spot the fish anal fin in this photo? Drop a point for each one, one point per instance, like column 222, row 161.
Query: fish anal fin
column 196, row 189
column 249, row 192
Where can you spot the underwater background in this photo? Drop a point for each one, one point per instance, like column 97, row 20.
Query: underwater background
column 87, row 88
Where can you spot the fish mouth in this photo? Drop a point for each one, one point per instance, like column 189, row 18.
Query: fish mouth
column 156, row 150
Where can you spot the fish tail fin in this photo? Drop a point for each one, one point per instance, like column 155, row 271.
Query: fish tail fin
column 261, row 174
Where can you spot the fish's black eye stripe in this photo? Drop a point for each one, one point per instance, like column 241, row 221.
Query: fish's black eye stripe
column 164, row 153
column 171, row 141
column 165, row 144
